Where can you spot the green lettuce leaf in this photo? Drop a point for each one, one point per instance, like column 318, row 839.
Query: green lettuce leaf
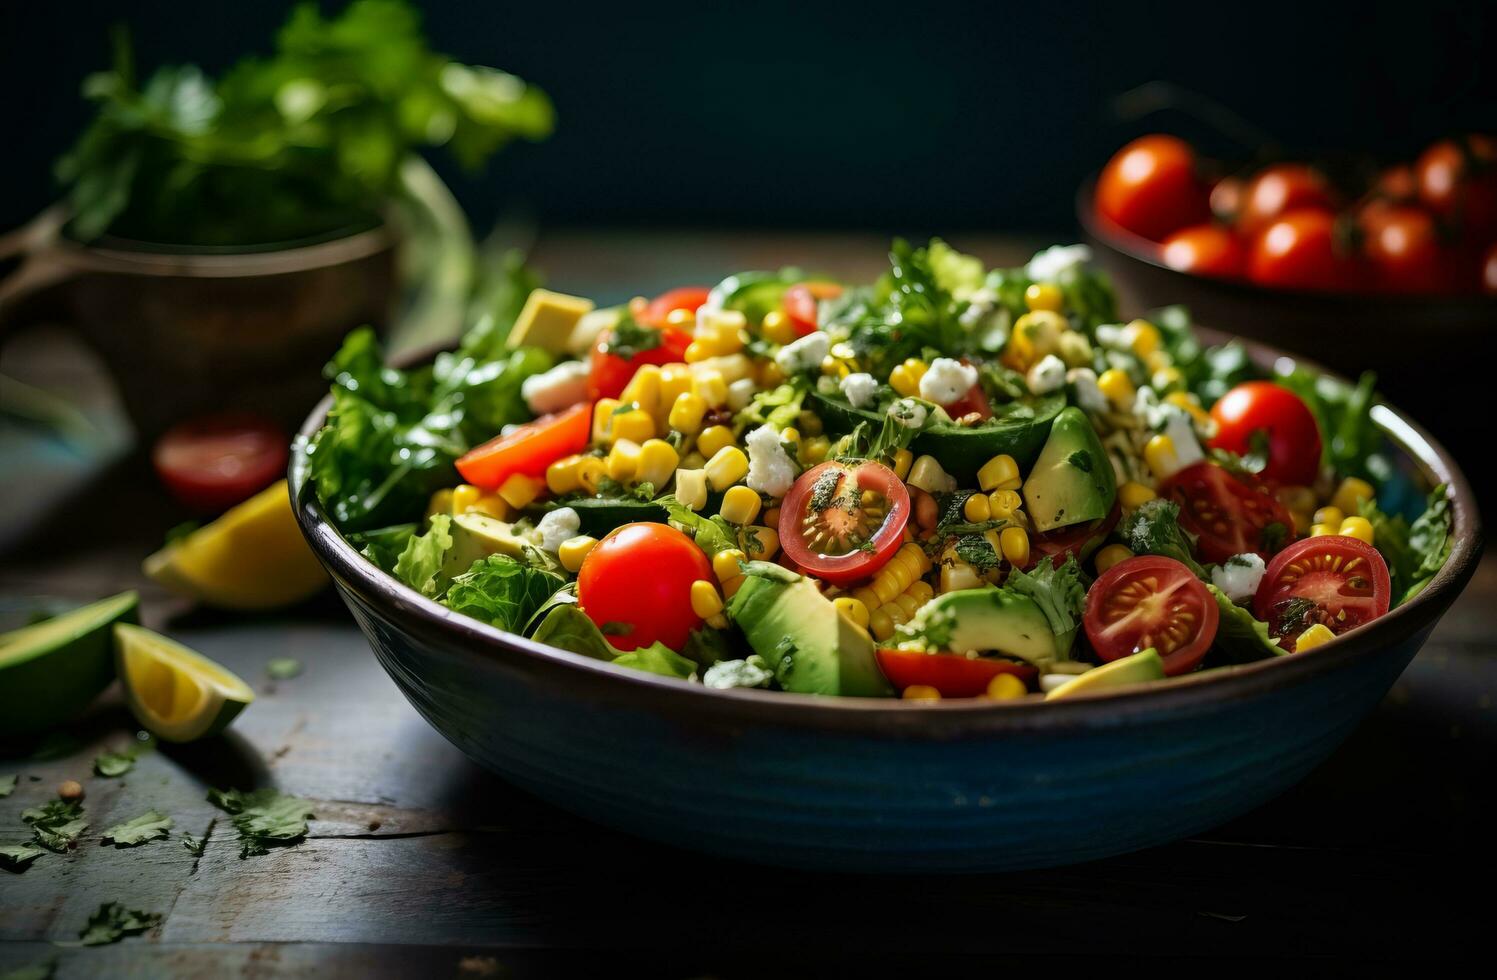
column 1154, row 529
column 1429, row 540
column 56, row 825
column 502, row 592
column 712, row 534
column 1240, row 637
column 17, row 856
column 420, row 564
column 569, row 628
column 1059, row 594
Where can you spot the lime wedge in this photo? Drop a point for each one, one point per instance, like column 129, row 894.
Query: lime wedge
column 253, row 557
column 177, row 694
column 50, row 671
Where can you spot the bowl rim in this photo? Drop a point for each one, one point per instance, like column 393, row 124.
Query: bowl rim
column 487, row 647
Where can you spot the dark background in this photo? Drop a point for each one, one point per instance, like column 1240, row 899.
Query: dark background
column 880, row 115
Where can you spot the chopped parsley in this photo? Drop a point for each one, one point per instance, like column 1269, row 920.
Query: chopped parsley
column 16, row 857
column 111, row 764
column 57, row 825
column 629, row 338
column 146, row 827
column 975, row 550
column 113, row 922
column 1293, row 616
column 265, row 818
column 194, row 845
column 1081, row 459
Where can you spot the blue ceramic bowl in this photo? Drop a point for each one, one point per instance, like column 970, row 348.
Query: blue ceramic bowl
column 872, row 785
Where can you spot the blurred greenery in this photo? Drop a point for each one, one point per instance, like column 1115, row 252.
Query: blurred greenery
column 308, row 142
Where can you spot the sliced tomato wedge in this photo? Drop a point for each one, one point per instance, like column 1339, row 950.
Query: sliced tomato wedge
column 799, row 304
column 1075, row 539
column 842, row 522
column 1335, row 580
column 1228, row 515
column 1151, row 601
column 685, row 298
column 529, row 449
column 955, row 675
column 212, row 463
column 617, row 355
column 974, row 401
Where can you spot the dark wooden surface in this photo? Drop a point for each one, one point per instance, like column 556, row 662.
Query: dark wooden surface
column 420, row 864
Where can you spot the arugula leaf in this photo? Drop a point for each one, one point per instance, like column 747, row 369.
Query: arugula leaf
column 7, row 785
column 1240, row 637
column 264, row 818
column 1154, row 529
column 148, row 826
column 16, row 857
column 110, row 764
column 751, row 671
column 113, row 922
column 712, row 534
column 420, row 565
column 57, row 824
column 1429, row 540
column 569, row 628
column 501, row 591
column 1059, row 594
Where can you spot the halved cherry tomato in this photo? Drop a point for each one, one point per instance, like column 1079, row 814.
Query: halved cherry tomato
column 1288, row 429
column 974, row 402
column 610, row 370
column 1151, row 601
column 636, row 585
column 529, row 449
column 683, row 298
column 1303, row 250
column 1076, row 539
column 1227, row 515
column 212, row 463
column 1403, row 246
column 1277, row 190
column 799, row 304
column 1458, row 182
column 843, row 522
column 1205, row 250
column 1150, row 187
column 1332, row 579
column 955, row 675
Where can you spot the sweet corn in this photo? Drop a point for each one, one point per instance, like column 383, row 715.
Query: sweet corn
column 686, row 412
column 1315, row 636
column 691, row 488
column 697, row 351
column 790, row 434
column 726, row 467
column 721, row 337
column 675, row 380
column 1015, row 541
column 1044, row 296
column 1351, row 495
column 603, row 418
column 999, row 473
column 711, row 388
column 1006, row 687
column 1112, row 555
column 725, row 564
column 902, row 460
column 1141, row 337
column 1035, row 334
column 520, row 491
column 1159, row 454
column 590, row 472
column 732, row 585
column 714, row 438
column 759, row 542
column 492, row 505
column 1167, row 379
column 657, row 461
column 644, row 389
column 740, row 505
column 706, row 601
column 1320, row 530
column 636, row 425
column 977, row 508
column 1359, row 528
column 814, row 449
column 905, row 378
column 573, row 550
column 1118, row 389
column 772, row 517
column 562, row 476
column 1002, row 504
column 440, row 503
column 1134, row 495
column 777, row 328
column 464, row 496
column 809, row 423
column 852, row 609
column 921, row 692
column 768, row 374
column 623, row 460
column 680, row 319
column 1329, row 515
column 1190, row 403
column 889, row 613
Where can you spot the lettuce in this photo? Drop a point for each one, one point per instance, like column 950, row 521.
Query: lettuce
column 420, row 564
column 568, row 627
column 501, row 591
column 1241, row 638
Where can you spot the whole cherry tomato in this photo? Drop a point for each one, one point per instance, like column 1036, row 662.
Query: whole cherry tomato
column 636, row 585
column 1150, row 188
column 1205, row 250
column 1458, row 183
column 1303, row 250
column 1260, row 415
column 1277, row 190
column 1402, row 246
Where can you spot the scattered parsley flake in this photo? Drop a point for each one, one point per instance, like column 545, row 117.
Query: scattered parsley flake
column 113, row 922
column 57, row 825
column 975, row 550
column 628, row 338
column 614, row 628
column 17, row 856
column 1273, row 536
column 146, row 827
column 7, row 785
column 283, row 668
column 1081, row 459
column 264, row 818
column 194, row 845
column 110, row 764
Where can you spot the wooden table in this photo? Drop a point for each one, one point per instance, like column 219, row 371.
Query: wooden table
column 419, row 863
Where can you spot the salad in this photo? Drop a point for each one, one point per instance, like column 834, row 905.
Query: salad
column 953, row 482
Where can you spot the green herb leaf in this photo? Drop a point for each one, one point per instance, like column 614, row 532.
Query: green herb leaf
column 264, row 818
column 57, row 824
column 111, row 764
column 629, row 339
column 502, row 591
column 1429, row 537
column 1154, row 529
column 712, row 534
column 1240, row 637
column 283, row 668
column 194, row 845
column 7, row 785
column 569, row 628
column 148, row 826
column 1081, row 459
column 1059, row 594
column 16, row 857
column 975, row 550
column 113, row 922
column 657, row 658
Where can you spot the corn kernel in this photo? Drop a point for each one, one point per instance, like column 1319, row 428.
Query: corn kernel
column 1320, row 530
column 1351, row 494
column 574, row 550
column 1035, row 334
column 1141, row 337
column 657, row 461
column 886, row 587
column 675, row 380
column 603, row 418
column 590, row 472
column 1112, row 555
column 1329, row 515
column 1134, row 495
column 1159, row 454
column 464, row 496
column 760, row 542
column 772, row 517
column 623, row 460
column 740, row 505
column 922, row 591
column 777, row 328
column 921, row 692
column 908, row 604
column 1359, row 528
column 706, row 601
column 1157, row 360
column 895, row 612
column 852, row 609
column 561, row 476
column 1003, row 503
column 790, row 434
column 1190, row 403
column 714, row 438
column 880, row 624
column 902, row 460
column 491, row 505
column 902, row 381
column 725, row 564
column 768, row 374
column 711, row 388
column 636, row 425
column 680, row 319
column 691, row 488
column 1015, row 545
column 865, row 595
column 732, row 585
column 520, row 491
column 440, row 503
column 697, row 351
column 1044, row 296
column 976, row 509
column 809, row 423
column 644, row 389
column 814, row 449
column 1118, row 389
column 1006, row 687
column 726, row 467
column 999, row 473
column 1317, row 635
column 1166, row 379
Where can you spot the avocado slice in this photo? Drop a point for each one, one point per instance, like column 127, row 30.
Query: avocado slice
column 476, row 536
column 988, row 620
column 51, row 671
column 812, row 648
column 1140, row 668
column 1072, row 482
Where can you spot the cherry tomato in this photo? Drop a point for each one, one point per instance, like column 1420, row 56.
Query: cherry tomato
column 1397, row 185
column 1150, row 188
column 529, row 449
column 1151, row 601
column 684, row 298
column 636, row 585
column 1205, row 250
column 843, row 522
column 1302, row 250
column 1489, row 272
column 1228, row 515
column 1332, row 579
column 955, row 675
column 974, row 402
column 1458, row 182
column 1226, row 199
column 212, row 463
column 610, row 372
column 1076, row 539
column 799, row 304
column 1288, row 430
column 1275, row 191
column 1402, row 245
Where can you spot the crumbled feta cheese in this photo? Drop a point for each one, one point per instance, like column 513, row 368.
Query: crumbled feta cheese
column 1046, row 376
column 1110, row 335
column 551, row 391
column 947, row 380
column 557, row 527
column 771, row 470
column 740, row 393
column 1239, row 576
column 717, row 321
column 1181, row 430
column 805, row 354
column 1088, row 396
column 859, row 389
column 909, row 413
column 1048, row 265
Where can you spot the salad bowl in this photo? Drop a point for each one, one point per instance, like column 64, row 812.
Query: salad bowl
column 879, row 785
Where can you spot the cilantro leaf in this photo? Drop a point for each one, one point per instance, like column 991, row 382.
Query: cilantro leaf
column 629, row 339
column 502, row 591
column 1154, row 529
column 110, row 764
column 7, row 785
column 1059, row 594
column 56, row 825
column 16, row 857
column 265, row 818
column 113, row 922
column 148, row 826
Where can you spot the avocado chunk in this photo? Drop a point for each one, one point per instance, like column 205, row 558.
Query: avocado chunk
column 987, row 620
column 1140, row 668
column 1072, row 482
column 547, row 320
column 50, row 671
column 811, row 647
column 476, row 536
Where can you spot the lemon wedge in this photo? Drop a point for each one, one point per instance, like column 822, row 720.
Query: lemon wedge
column 253, row 557
column 177, row 694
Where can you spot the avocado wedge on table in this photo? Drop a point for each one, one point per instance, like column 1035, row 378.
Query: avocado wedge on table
column 52, row 670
